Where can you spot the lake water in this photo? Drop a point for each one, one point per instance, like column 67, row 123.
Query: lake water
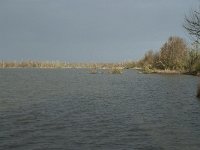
column 71, row 109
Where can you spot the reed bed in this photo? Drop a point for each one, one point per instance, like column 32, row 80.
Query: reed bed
column 57, row 64
column 116, row 70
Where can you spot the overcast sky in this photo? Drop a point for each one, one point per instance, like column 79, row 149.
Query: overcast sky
column 88, row 30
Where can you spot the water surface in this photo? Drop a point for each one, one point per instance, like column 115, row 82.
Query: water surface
column 72, row 109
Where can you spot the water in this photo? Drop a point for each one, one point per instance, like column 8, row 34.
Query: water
column 72, row 109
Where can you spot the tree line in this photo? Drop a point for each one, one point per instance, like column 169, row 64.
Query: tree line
column 174, row 54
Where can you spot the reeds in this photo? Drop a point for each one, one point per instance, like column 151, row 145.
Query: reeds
column 116, row 70
column 57, row 64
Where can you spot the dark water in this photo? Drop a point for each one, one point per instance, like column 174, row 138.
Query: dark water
column 72, row 109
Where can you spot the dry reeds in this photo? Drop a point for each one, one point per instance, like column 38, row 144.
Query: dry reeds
column 116, row 70
column 57, row 64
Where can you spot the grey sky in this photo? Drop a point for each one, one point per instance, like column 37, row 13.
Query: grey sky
column 88, row 30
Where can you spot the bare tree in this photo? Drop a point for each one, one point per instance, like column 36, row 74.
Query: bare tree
column 192, row 24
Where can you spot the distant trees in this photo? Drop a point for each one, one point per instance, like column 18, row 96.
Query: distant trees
column 175, row 54
column 172, row 55
column 149, row 58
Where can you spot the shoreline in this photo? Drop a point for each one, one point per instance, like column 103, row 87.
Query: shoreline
column 172, row 72
column 101, row 68
column 140, row 70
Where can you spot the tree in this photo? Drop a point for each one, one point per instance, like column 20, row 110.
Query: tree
column 193, row 57
column 173, row 53
column 192, row 24
column 149, row 57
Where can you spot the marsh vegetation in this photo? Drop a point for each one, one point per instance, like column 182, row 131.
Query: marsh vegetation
column 58, row 64
column 116, row 70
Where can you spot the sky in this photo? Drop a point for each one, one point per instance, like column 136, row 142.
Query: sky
column 88, row 30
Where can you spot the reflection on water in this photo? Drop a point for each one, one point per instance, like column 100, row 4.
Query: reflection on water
column 72, row 109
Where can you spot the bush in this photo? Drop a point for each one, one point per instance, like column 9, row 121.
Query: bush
column 130, row 65
column 116, row 71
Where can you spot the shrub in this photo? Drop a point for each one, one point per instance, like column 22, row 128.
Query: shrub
column 116, row 71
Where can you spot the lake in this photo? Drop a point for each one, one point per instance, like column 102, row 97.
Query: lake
column 72, row 109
